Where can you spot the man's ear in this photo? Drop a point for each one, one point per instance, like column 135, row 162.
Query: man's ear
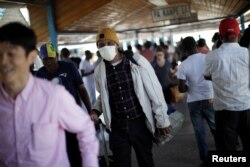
column 32, row 56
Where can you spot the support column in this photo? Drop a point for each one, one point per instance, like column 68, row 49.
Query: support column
column 137, row 37
column 242, row 22
column 51, row 23
column 170, row 38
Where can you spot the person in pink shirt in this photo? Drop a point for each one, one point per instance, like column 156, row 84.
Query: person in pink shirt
column 34, row 113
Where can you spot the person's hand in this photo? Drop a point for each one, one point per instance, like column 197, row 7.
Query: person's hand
column 94, row 116
column 164, row 131
column 211, row 101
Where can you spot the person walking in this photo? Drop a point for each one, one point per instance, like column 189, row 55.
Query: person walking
column 131, row 100
column 199, row 93
column 228, row 68
column 66, row 74
column 34, row 113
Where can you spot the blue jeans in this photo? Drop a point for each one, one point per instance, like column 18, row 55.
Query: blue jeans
column 200, row 110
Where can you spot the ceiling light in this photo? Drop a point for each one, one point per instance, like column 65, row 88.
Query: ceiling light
column 158, row 2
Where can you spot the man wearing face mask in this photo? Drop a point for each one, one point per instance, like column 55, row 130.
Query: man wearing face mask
column 131, row 100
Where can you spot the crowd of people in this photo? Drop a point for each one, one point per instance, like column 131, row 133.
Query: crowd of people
column 48, row 116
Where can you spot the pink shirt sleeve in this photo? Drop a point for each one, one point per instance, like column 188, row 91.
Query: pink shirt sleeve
column 73, row 119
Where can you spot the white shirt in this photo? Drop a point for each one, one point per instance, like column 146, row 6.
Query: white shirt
column 192, row 70
column 229, row 67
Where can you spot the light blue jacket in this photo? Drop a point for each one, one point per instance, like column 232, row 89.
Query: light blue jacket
column 147, row 88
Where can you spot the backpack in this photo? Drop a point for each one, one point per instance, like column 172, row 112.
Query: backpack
column 129, row 55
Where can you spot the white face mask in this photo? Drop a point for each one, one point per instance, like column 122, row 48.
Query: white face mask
column 108, row 52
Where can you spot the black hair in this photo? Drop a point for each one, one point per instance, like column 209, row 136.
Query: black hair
column 138, row 47
column 189, row 45
column 159, row 49
column 87, row 52
column 201, row 42
column 65, row 53
column 216, row 37
column 129, row 47
column 19, row 34
column 88, row 55
column 219, row 43
column 147, row 44
column 245, row 39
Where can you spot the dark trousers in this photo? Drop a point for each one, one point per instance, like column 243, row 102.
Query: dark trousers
column 73, row 150
column 126, row 134
column 230, row 125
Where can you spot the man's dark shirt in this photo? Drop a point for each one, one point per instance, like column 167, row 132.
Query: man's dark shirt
column 123, row 100
column 67, row 75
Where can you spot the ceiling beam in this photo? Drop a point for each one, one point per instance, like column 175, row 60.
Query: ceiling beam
column 245, row 9
column 76, row 32
column 148, row 28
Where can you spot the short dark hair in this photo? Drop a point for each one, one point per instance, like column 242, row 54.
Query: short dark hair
column 159, row 49
column 189, row 44
column 65, row 53
column 245, row 39
column 201, row 42
column 18, row 34
column 147, row 44
column 88, row 55
column 216, row 37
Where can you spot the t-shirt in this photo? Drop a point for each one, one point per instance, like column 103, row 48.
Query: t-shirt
column 192, row 70
column 66, row 75
column 162, row 74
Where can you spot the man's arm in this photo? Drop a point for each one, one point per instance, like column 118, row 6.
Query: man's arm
column 155, row 94
column 77, row 79
column 84, row 74
column 208, row 67
column 85, row 97
column 97, row 111
column 182, row 86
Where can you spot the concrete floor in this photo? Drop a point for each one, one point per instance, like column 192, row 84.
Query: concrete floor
column 182, row 150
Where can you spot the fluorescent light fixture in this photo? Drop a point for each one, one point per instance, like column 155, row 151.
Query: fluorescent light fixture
column 158, row 2
column 25, row 14
column 87, row 38
column 2, row 12
column 247, row 12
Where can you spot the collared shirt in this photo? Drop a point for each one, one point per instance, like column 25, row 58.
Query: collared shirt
column 32, row 127
column 123, row 101
column 229, row 68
